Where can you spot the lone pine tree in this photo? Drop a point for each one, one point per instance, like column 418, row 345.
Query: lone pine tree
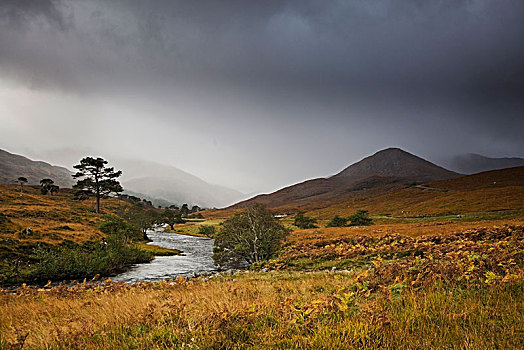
column 97, row 179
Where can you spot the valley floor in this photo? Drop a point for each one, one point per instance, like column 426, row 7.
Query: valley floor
column 444, row 288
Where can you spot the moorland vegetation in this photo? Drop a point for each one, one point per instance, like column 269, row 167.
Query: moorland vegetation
column 441, row 266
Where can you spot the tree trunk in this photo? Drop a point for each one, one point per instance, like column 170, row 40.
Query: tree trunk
column 97, row 203
column 97, row 195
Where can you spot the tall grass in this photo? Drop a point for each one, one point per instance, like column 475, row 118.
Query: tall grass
column 283, row 310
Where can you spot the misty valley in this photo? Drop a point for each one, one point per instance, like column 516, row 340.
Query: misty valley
column 261, row 174
column 366, row 246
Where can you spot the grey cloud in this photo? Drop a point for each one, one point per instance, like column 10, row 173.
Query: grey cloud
column 439, row 76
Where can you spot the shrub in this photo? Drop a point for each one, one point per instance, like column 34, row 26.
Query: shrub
column 248, row 237
column 337, row 221
column 115, row 226
column 70, row 260
column 360, row 218
column 208, row 231
column 303, row 222
column 74, row 261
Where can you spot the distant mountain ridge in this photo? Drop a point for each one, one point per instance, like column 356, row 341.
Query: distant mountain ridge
column 383, row 171
column 13, row 166
column 472, row 163
column 162, row 184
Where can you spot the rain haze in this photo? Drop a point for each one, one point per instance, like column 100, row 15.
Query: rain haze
column 257, row 95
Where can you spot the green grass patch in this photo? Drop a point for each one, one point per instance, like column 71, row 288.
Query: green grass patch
column 158, row 251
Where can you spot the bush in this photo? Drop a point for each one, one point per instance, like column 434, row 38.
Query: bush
column 337, row 221
column 208, row 231
column 360, row 218
column 85, row 261
column 115, row 226
column 249, row 237
column 303, row 222
column 70, row 260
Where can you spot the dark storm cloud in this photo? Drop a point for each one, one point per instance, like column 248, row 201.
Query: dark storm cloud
column 438, row 76
column 471, row 47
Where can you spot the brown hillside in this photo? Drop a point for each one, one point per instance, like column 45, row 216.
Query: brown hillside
column 52, row 218
column 395, row 163
column 497, row 190
column 387, row 170
column 13, row 166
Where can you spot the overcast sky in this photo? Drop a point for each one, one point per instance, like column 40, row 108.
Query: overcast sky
column 256, row 95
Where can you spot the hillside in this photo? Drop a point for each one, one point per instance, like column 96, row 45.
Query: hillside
column 53, row 219
column 474, row 163
column 492, row 191
column 384, row 171
column 13, row 166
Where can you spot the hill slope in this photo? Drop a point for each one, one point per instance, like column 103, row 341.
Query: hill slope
column 13, row 166
column 496, row 191
column 382, row 172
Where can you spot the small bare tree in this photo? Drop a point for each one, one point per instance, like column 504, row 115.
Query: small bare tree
column 22, row 181
column 249, row 237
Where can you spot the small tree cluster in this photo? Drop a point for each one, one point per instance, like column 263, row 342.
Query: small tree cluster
column 303, row 222
column 360, row 218
column 141, row 217
column 338, row 221
column 171, row 217
column 48, row 186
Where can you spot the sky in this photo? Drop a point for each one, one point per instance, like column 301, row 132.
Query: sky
column 257, row 95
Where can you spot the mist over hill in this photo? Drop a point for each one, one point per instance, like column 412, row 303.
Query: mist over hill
column 472, row 163
column 162, row 184
column 167, row 184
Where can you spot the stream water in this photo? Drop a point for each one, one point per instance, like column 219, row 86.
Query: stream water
column 196, row 259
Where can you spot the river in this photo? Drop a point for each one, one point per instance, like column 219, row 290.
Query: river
column 196, row 258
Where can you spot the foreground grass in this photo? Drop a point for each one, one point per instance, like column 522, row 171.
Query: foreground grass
column 256, row 310
column 461, row 290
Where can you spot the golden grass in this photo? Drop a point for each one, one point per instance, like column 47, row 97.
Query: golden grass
column 416, row 202
column 406, row 229
column 465, row 291
column 52, row 218
column 275, row 310
column 158, row 251
column 192, row 226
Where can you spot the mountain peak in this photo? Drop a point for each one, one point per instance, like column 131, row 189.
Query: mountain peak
column 395, row 162
column 380, row 172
